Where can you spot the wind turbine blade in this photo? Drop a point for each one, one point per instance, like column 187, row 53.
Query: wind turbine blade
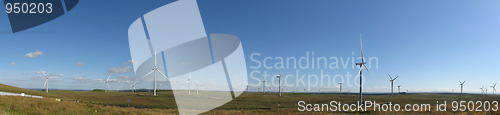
column 390, row 76
column 361, row 41
column 464, row 82
column 43, row 72
column 109, row 88
column 148, row 73
column 162, row 74
column 45, row 84
column 108, row 79
column 368, row 70
column 395, row 78
column 360, row 69
column 156, row 64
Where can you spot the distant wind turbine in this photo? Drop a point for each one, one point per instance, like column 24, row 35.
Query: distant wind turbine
column 340, row 83
column 107, row 85
column 279, row 86
column 462, row 86
column 392, row 83
column 494, row 90
column 482, row 89
column 133, row 87
column 46, row 85
column 361, row 65
column 189, row 84
column 399, row 87
column 264, row 86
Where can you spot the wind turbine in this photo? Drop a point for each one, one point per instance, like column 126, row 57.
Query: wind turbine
column 461, row 86
column 154, row 70
column 189, row 84
column 361, row 65
column 133, row 87
column 482, row 89
column 46, row 85
column 197, row 87
column 279, row 88
column 107, row 85
column 340, row 83
column 392, row 83
column 264, row 86
column 494, row 90
column 399, row 91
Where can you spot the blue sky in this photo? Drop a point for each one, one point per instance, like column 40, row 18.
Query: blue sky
column 429, row 44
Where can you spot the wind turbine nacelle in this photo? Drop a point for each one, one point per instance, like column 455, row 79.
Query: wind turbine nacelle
column 360, row 63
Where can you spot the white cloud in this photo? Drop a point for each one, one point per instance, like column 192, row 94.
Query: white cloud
column 103, row 80
column 34, row 54
column 40, row 72
column 13, row 63
column 120, row 70
column 130, row 62
column 79, row 64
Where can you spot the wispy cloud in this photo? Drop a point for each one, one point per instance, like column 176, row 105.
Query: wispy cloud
column 13, row 63
column 79, row 64
column 34, row 54
column 120, row 70
column 130, row 62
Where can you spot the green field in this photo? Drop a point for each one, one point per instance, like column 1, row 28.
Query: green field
column 97, row 102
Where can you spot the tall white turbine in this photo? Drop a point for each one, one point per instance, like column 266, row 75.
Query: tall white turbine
column 494, row 90
column 154, row 70
column 392, row 83
column 361, row 65
column 107, row 85
column 340, row 92
column 46, row 85
column 462, row 86
column 279, row 86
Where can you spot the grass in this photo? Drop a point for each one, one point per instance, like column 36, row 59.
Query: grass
column 251, row 103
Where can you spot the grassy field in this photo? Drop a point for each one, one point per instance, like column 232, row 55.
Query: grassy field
column 97, row 102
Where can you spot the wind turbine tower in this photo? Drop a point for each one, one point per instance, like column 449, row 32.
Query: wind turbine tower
column 340, row 88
